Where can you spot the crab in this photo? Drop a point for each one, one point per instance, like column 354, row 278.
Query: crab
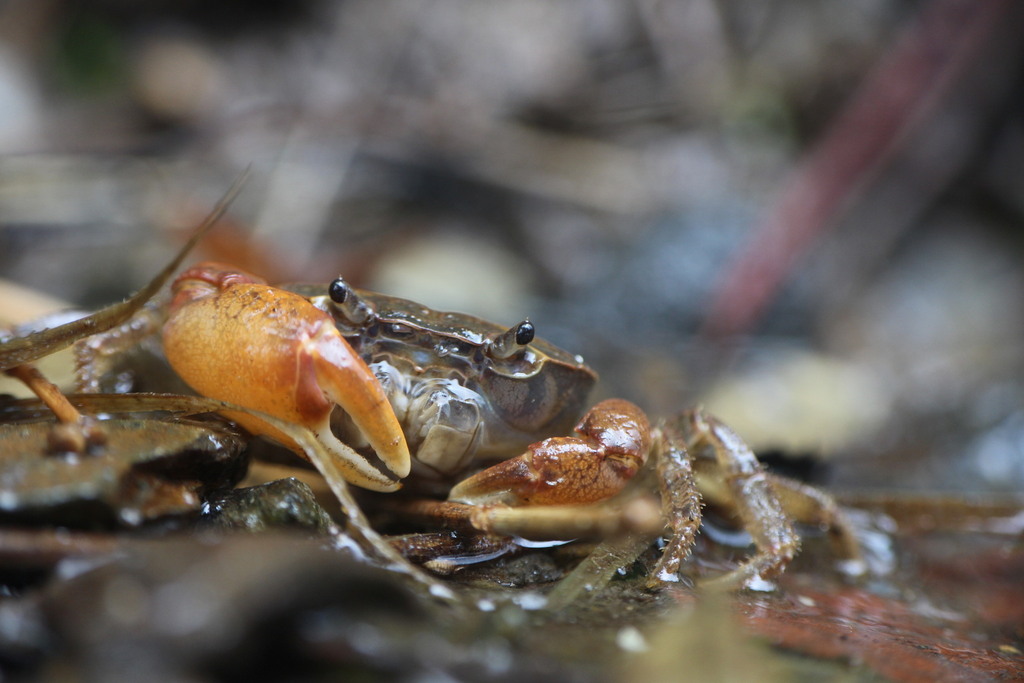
column 401, row 395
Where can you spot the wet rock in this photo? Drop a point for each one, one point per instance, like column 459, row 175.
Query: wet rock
column 148, row 469
column 275, row 505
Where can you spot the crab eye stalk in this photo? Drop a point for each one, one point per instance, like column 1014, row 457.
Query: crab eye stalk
column 509, row 342
column 350, row 304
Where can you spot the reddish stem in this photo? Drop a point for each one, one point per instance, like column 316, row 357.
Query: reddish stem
column 926, row 62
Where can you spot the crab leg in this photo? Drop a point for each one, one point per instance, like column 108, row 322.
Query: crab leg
column 752, row 495
column 638, row 514
column 74, row 432
column 612, row 443
column 232, row 337
column 681, row 502
column 808, row 505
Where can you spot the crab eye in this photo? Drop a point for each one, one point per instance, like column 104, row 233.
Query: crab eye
column 339, row 291
column 350, row 304
column 525, row 333
column 509, row 342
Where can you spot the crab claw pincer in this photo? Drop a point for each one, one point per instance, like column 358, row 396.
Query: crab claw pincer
column 612, row 443
column 232, row 337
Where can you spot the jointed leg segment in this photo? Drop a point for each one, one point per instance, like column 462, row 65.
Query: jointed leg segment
column 74, row 432
column 750, row 494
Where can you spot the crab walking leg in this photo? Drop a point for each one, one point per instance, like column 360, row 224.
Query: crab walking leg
column 73, row 432
column 95, row 355
column 680, row 501
column 612, row 443
column 808, row 505
column 636, row 514
column 236, row 339
column 752, row 496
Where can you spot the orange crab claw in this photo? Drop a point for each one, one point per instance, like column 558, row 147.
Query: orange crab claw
column 232, row 337
column 613, row 442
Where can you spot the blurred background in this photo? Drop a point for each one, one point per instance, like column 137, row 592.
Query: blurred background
column 806, row 216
